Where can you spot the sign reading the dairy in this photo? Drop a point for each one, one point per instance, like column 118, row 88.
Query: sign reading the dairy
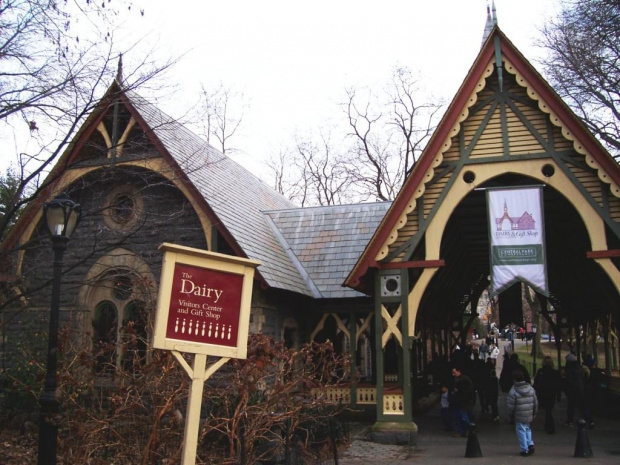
column 204, row 306
column 204, row 302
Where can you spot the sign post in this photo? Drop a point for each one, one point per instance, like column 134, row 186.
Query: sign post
column 203, row 308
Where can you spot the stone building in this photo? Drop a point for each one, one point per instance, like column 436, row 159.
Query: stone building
column 389, row 282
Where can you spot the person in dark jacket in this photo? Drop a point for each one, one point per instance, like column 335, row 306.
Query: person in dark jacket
column 548, row 384
column 511, row 363
column 574, row 388
column 591, row 383
column 462, row 400
column 480, row 374
column 491, row 389
column 522, row 407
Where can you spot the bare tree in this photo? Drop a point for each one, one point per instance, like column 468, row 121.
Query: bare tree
column 389, row 134
column 314, row 172
column 221, row 113
column 385, row 137
column 287, row 181
column 583, row 64
column 51, row 78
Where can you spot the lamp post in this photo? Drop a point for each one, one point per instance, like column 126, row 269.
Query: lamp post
column 534, row 331
column 61, row 216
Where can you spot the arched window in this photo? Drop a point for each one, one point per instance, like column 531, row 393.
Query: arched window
column 119, row 291
column 134, row 336
column 105, row 325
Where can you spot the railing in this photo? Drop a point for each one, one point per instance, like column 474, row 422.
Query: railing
column 334, row 395
column 393, row 404
column 366, row 395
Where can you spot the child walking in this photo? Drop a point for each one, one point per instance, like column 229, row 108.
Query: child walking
column 446, row 415
column 522, row 407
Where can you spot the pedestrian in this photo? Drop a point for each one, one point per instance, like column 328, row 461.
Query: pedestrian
column 494, row 353
column 522, row 407
column 573, row 388
column 491, row 389
column 588, row 391
column 484, row 350
column 479, row 376
column 462, row 401
column 511, row 363
column 446, row 414
column 592, row 389
column 548, row 383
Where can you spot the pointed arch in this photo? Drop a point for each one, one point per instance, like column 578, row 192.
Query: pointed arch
column 116, row 301
column 592, row 221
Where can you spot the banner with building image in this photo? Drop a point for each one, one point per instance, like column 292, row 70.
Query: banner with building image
column 516, row 230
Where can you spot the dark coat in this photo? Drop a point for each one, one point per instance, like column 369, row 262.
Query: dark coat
column 547, row 384
column 491, row 387
column 463, row 395
column 574, row 382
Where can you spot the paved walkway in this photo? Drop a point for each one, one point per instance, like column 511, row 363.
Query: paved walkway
column 498, row 442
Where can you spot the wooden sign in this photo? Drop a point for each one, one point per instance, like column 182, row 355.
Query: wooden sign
column 204, row 302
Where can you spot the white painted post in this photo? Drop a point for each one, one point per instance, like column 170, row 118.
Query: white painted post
column 198, row 375
column 192, row 415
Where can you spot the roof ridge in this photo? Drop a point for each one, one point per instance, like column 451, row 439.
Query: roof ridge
column 326, row 207
column 316, row 293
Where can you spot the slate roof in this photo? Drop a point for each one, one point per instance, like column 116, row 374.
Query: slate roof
column 234, row 194
column 326, row 242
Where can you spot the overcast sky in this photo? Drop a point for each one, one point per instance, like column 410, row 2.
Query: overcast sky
column 294, row 59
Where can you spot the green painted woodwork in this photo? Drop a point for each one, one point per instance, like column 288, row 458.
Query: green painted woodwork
column 504, row 97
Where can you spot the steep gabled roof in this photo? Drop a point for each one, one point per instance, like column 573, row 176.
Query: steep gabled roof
column 325, row 242
column 235, row 196
column 538, row 89
column 232, row 197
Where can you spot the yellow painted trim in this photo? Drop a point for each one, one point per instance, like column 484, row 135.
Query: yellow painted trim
column 602, row 174
column 117, row 259
column 108, row 141
column 415, row 297
column 464, row 113
column 319, row 326
column 123, row 139
column 106, row 137
column 158, row 165
column 364, row 327
column 593, row 223
column 612, row 271
column 392, row 326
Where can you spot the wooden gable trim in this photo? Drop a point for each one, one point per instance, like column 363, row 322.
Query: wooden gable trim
column 59, row 174
column 562, row 116
column 439, row 143
column 537, row 88
column 29, row 217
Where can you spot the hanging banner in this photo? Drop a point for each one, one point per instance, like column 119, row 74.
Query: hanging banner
column 516, row 230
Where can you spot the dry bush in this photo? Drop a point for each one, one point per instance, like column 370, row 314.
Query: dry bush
column 255, row 407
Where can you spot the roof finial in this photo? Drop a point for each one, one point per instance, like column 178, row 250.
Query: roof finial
column 490, row 23
column 494, row 11
column 119, row 71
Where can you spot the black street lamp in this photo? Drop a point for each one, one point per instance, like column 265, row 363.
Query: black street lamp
column 61, row 216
